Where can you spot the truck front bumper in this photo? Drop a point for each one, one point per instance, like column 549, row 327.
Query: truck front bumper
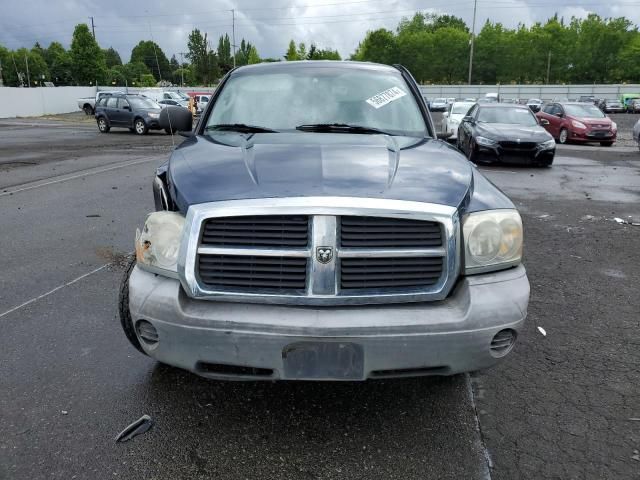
column 472, row 329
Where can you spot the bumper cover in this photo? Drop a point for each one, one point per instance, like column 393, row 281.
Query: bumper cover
column 256, row 341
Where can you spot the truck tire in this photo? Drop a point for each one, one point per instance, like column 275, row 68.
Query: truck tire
column 123, row 308
column 140, row 127
column 103, row 125
column 87, row 109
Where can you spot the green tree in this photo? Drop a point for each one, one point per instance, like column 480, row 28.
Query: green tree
column 150, row 53
column 292, row 52
column 112, row 57
column 225, row 59
column 147, row 80
column 253, row 56
column 203, row 60
column 302, row 51
column 32, row 67
column 321, row 54
column 378, row 46
column 87, row 60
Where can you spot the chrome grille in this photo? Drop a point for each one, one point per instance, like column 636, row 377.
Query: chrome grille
column 376, row 232
column 389, row 273
column 320, row 251
column 257, row 231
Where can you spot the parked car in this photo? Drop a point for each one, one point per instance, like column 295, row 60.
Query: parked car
column 492, row 97
column 499, row 132
column 534, row 104
column 158, row 94
column 627, row 98
column 201, row 102
column 313, row 227
column 438, row 105
column 470, row 99
column 612, row 106
column 452, row 117
column 634, row 106
column 136, row 112
column 636, row 133
column 587, row 99
column 578, row 122
column 88, row 104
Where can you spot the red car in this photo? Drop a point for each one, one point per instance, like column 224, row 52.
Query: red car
column 578, row 122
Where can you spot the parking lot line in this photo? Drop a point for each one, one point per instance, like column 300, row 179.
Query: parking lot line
column 86, row 173
column 59, row 287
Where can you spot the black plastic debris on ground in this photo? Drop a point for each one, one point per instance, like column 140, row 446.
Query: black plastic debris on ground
column 140, row 426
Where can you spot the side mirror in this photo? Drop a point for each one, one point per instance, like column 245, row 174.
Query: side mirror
column 544, row 122
column 178, row 119
column 468, row 119
column 445, row 114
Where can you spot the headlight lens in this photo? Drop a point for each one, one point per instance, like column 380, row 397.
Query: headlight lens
column 548, row 144
column 614, row 126
column 578, row 124
column 493, row 240
column 154, row 115
column 158, row 244
column 487, row 142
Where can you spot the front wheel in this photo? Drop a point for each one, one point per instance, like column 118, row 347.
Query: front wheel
column 123, row 307
column 606, row 144
column 564, row 136
column 103, row 126
column 140, row 127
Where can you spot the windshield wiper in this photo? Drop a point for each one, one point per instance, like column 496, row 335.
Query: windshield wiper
column 339, row 127
column 240, row 127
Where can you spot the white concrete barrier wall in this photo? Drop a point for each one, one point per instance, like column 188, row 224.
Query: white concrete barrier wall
column 34, row 102
column 544, row 92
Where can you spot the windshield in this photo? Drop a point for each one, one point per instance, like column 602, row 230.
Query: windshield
column 589, row 111
column 514, row 116
column 320, row 95
column 461, row 108
column 141, row 102
column 175, row 96
column 183, row 96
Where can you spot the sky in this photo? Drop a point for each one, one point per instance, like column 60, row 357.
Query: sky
column 269, row 25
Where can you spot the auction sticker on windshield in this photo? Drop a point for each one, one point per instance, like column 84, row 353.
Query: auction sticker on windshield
column 383, row 98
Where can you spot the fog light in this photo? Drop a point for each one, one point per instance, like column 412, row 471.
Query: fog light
column 503, row 342
column 147, row 333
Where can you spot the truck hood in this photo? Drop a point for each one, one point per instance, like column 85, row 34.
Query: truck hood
column 231, row 166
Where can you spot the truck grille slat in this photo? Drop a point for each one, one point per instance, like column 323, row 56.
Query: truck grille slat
column 251, row 272
column 359, row 273
column 256, row 231
column 367, row 232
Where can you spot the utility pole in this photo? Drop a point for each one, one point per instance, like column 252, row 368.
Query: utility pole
column 182, row 54
column 473, row 35
column 1, row 83
column 233, row 35
column 548, row 66
column 26, row 61
column 16, row 67
column 93, row 29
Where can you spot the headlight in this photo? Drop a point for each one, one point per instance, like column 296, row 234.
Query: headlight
column 158, row 244
column 487, row 142
column 154, row 115
column 578, row 124
column 493, row 240
column 614, row 126
column 548, row 144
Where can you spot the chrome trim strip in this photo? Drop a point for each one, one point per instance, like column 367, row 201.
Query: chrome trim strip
column 260, row 252
column 320, row 206
column 321, row 277
column 391, row 252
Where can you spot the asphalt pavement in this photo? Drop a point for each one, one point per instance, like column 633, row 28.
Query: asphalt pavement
column 563, row 405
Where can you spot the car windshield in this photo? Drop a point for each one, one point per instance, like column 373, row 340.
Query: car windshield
column 589, row 111
column 174, row 96
column 284, row 100
column 141, row 102
column 514, row 116
column 183, row 96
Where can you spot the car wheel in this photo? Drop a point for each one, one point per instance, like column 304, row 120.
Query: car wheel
column 564, row 136
column 103, row 126
column 140, row 127
column 123, row 307
column 606, row 144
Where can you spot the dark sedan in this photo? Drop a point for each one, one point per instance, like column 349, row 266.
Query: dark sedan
column 505, row 133
column 135, row 112
column 612, row 106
